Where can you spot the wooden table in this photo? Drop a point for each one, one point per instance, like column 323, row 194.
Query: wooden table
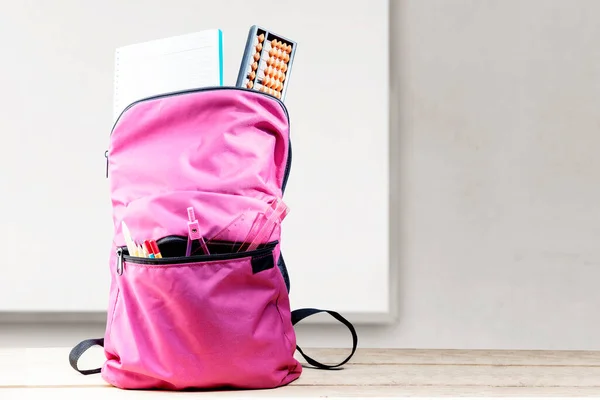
column 45, row 373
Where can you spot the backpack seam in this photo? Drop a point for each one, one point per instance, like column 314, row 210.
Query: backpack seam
column 282, row 321
column 114, row 310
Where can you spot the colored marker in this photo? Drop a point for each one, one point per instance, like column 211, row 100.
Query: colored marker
column 148, row 248
column 155, row 249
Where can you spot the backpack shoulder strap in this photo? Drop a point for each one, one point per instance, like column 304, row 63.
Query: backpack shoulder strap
column 78, row 351
column 297, row 316
column 300, row 314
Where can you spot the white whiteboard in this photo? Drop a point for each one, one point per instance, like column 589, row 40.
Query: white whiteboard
column 55, row 119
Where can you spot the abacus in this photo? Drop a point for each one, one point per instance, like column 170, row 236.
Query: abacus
column 267, row 63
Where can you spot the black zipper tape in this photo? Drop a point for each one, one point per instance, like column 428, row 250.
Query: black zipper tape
column 123, row 256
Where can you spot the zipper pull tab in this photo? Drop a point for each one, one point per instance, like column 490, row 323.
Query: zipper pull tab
column 120, row 261
column 106, row 156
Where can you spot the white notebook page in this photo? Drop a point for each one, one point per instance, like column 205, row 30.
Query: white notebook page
column 167, row 65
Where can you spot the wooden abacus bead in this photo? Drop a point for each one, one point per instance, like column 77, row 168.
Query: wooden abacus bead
column 261, row 38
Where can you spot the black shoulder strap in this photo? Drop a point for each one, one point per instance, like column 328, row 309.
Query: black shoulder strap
column 78, row 351
column 297, row 316
column 300, row 314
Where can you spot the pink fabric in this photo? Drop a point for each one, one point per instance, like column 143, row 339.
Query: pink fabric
column 208, row 324
column 219, row 151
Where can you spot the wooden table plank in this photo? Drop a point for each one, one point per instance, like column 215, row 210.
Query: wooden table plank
column 458, row 357
column 402, row 373
column 454, row 375
column 79, row 393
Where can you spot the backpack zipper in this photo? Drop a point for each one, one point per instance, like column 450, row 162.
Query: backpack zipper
column 121, row 257
column 212, row 88
column 119, row 261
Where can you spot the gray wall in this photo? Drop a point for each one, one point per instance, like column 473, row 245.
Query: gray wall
column 495, row 123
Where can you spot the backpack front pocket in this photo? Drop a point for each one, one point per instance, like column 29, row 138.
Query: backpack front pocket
column 209, row 321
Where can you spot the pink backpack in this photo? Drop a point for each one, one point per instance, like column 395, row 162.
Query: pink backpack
column 217, row 320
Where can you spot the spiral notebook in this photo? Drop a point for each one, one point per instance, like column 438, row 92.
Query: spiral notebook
column 166, row 65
